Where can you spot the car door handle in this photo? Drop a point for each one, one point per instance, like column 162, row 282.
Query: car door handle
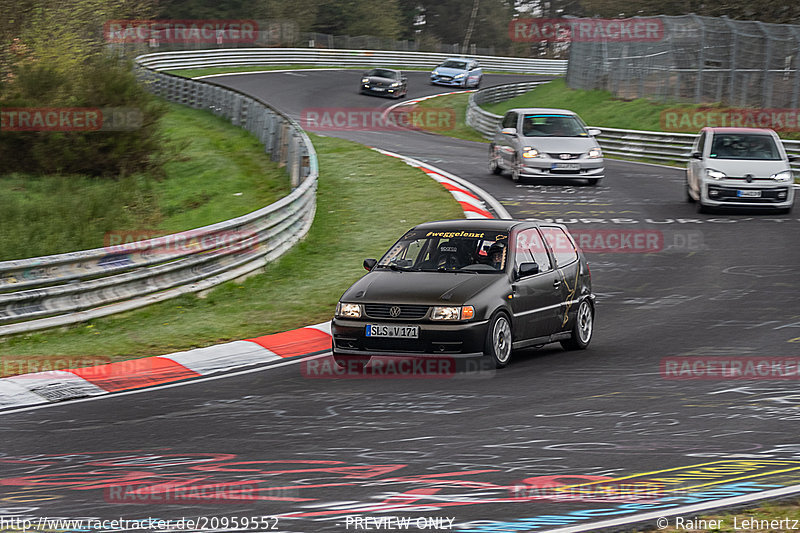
column 556, row 283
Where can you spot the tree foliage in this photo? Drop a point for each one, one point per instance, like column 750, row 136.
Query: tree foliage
column 53, row 56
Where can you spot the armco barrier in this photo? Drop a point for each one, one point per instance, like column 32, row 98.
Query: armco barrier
column 339, row 58
column 62, row 289
column 629, row 144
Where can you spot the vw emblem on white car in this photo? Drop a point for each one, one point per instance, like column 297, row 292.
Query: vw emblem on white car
column 749, row 178
column 394, row 311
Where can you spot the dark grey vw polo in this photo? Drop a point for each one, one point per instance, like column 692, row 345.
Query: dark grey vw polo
column 467, row 288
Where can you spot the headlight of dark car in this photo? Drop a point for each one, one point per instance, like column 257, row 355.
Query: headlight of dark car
column 465, row 312
column 348, row 310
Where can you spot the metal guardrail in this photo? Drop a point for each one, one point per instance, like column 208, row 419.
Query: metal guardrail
column 63, row 289
column 663, row 147
column 339, row 58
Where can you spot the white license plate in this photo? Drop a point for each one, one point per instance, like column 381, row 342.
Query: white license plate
column 748, row 194
column 566, row 166
column 390, row 330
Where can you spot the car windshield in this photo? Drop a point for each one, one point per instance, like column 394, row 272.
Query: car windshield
column 460, row 65
column 381, row 73
column 546, row 125
column 448, row 251
column 744, row 146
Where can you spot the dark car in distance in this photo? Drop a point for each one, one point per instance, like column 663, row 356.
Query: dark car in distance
column 384, row 82
column 468, row 288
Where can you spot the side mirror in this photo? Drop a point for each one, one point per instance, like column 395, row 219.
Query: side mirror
column 697, row 155
column 527, row 269
column 369, row 264
column 791, row 157
column 509, row 131
column 594, row 132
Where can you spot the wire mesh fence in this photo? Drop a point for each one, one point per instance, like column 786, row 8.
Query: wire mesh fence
column 699, row 60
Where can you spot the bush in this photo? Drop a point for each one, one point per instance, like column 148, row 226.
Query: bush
column 100, row 82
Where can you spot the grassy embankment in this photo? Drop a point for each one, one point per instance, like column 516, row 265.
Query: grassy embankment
column 219, row 174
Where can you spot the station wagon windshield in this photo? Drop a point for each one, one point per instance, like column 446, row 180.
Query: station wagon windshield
column 744, row 146
column 454, row 64
column 448, row 251
column 553, row 126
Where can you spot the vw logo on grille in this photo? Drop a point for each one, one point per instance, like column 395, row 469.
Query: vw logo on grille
column 394, row 311
column 565, row 156
column 749, row 178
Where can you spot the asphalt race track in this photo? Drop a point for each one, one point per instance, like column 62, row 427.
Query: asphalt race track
column 479, row 451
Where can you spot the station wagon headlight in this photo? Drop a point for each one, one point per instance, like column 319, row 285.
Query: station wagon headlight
column 594, row 153
column 715, row 174
column 465, row 312
column 364, row 80
column 459, row 76
column 784, row 175
column 395, row 84
column 530, row 153
column 348, row 310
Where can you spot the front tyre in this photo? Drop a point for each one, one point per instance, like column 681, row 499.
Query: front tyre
column 582, row 329
column 516, row 171
column 494, row 166
column 498, row 340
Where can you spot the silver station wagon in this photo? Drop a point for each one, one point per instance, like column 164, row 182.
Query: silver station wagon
column 546, row 143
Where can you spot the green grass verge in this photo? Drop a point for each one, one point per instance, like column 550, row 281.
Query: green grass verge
column 356, row 218
column 458, row 103
column 218, row 171
column 596, row 108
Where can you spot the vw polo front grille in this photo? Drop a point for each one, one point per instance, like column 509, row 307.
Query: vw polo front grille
column 396, row 311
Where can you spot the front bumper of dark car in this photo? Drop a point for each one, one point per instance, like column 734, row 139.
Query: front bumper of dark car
column 456, row 339
column 380, row 90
